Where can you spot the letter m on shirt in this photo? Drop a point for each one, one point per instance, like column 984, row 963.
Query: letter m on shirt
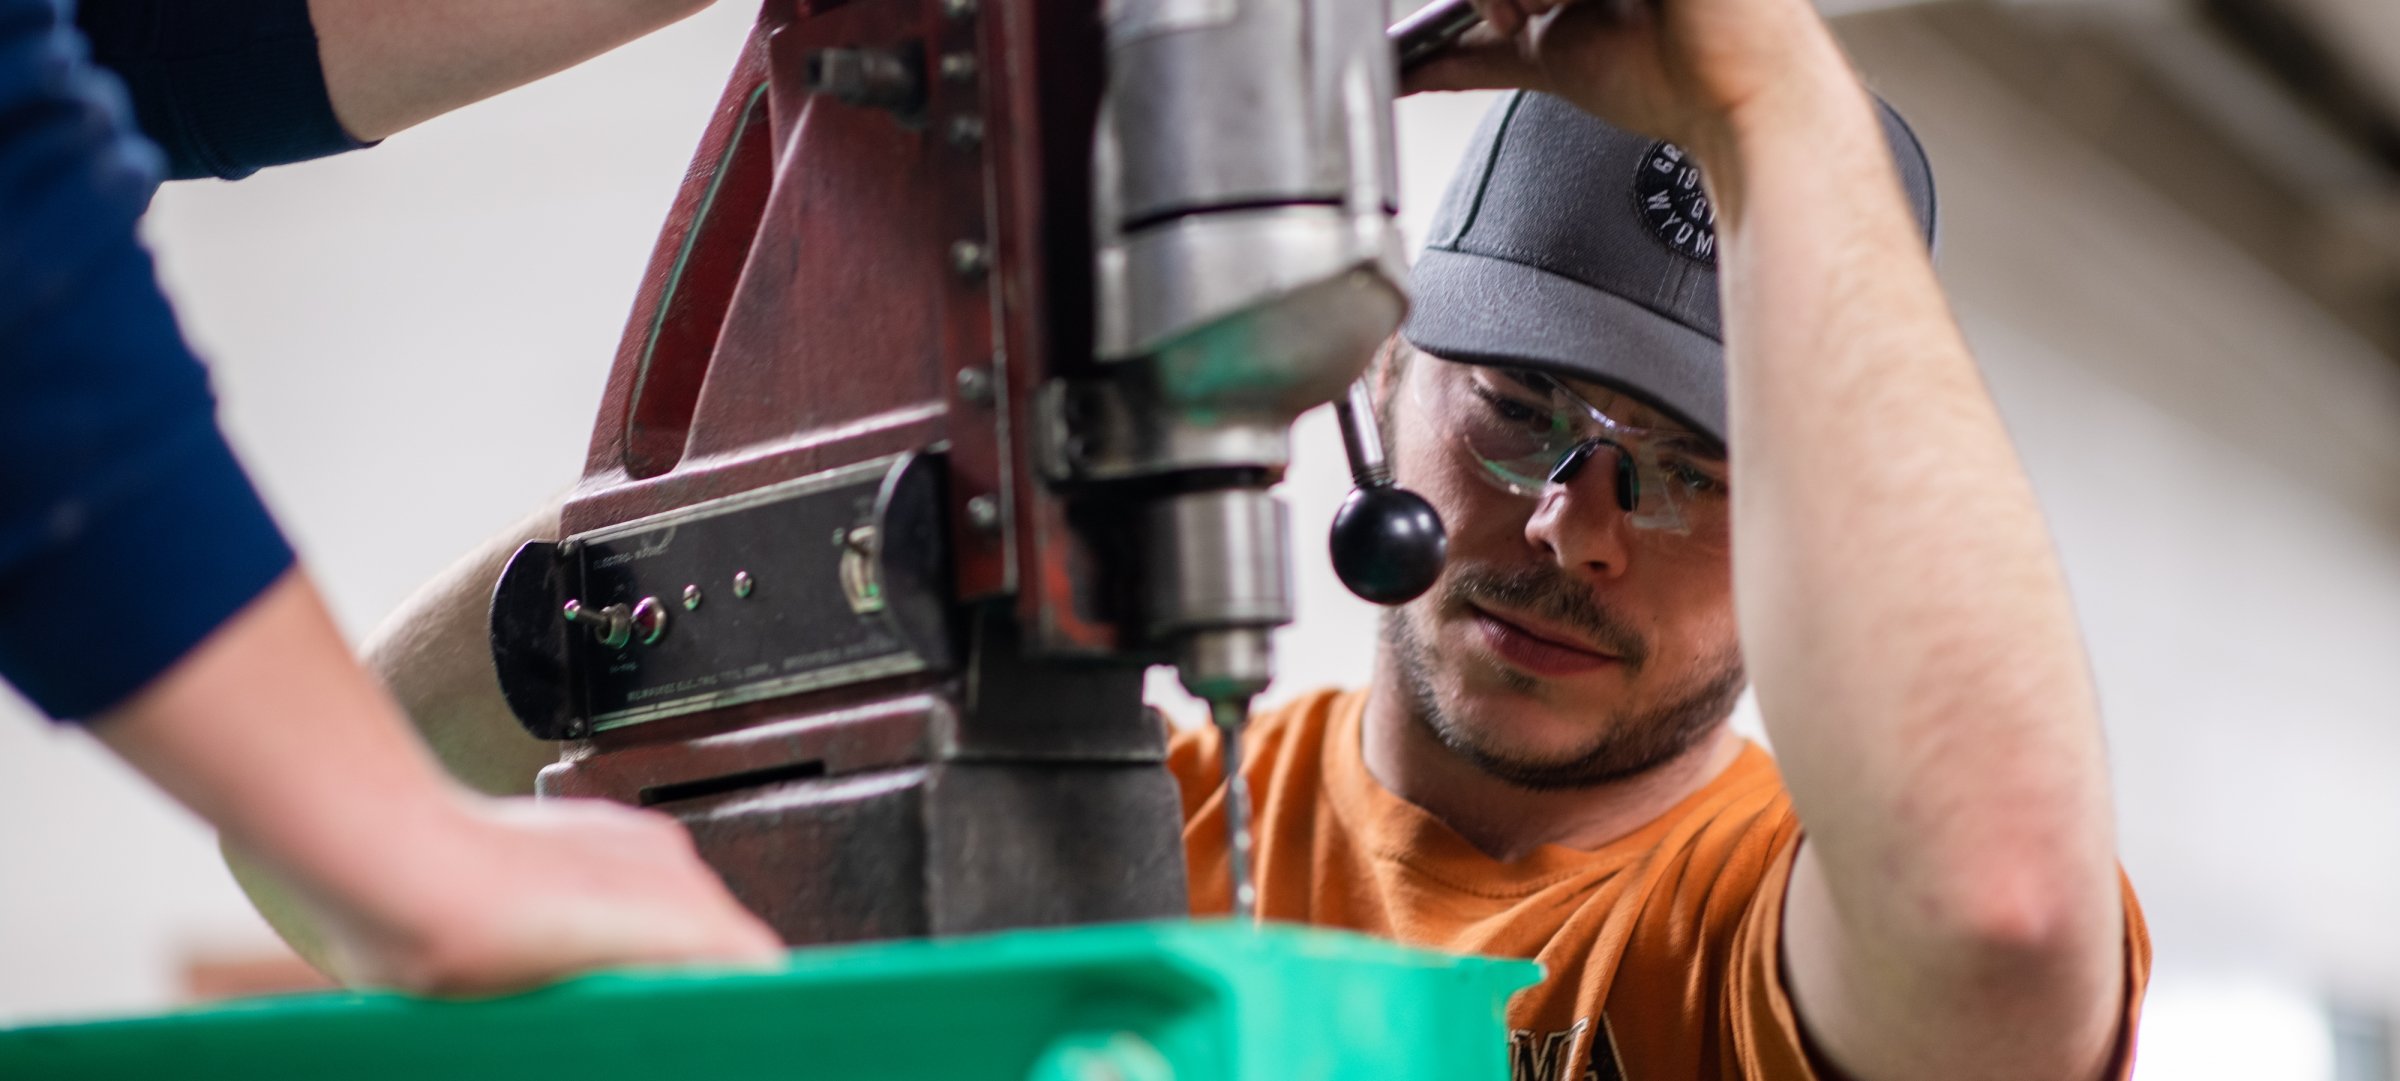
column 1563, row 1055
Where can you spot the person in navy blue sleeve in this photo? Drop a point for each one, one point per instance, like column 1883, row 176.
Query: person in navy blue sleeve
column 144, row 589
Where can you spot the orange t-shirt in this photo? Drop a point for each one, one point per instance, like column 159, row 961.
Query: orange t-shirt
column 1659, row 951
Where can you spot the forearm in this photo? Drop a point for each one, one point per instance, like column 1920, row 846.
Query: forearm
column 271, row 732
column 392, row 64
column 433, row 655
column 382, row 870
column 1903, row 612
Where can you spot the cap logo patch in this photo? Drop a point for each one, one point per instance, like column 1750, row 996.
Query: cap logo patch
column 1668, row 190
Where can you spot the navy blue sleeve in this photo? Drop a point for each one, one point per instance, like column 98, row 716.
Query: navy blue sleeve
column 128, row 531
column 225, row 87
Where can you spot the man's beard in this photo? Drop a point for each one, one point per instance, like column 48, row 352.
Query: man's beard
column 1629, row 744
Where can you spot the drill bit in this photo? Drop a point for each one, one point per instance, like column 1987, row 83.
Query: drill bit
column 1230, row 715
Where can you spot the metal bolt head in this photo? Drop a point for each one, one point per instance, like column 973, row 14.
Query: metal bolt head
column 969, row 258
column 966, row 131
column 975, row 385
column 743, row 583
column 691, row 598
column 958, row 9
column 983, row 512
column 958, row 67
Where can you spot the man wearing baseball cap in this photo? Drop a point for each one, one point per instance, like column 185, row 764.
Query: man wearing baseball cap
column 1651, row 379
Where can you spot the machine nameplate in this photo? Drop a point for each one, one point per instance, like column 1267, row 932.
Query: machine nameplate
column 787, row 626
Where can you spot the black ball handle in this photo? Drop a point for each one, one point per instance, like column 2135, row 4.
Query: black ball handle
column 1388, row 543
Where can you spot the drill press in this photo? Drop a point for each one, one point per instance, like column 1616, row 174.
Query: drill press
column 951, row 401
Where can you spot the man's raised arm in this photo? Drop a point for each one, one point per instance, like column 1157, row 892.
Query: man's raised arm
column 1955, row 910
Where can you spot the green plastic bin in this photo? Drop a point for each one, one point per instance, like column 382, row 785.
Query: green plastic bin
column 1135, row 1002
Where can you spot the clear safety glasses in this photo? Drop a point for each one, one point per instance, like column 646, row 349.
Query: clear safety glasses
column 1526, row 431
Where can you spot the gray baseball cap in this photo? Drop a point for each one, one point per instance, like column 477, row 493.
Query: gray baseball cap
column 1568, row 245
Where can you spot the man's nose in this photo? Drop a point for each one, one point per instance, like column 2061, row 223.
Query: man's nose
column 1580, row 517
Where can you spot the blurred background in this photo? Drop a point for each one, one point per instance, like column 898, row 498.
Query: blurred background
column 2170, row 227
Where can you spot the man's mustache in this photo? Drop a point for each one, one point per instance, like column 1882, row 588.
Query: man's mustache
column 1548, row 593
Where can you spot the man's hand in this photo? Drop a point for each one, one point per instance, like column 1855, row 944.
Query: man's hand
column 271, row 732
column 511, row 893
column 1683, row 70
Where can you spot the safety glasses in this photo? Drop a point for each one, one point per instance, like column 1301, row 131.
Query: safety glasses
column 1526, row 431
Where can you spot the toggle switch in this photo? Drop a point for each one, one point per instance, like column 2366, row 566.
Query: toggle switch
column 611, row 626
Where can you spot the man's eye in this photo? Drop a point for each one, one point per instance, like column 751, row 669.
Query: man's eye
column 1514, row 411
column 1692, row 477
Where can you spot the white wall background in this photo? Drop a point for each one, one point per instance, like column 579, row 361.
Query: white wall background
column 410, row 344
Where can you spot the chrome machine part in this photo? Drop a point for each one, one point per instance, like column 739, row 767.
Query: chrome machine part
column 1218, row 587
column 1388, row 544
column 1248, row 265
column 1431, row 29
column 1248, row 262
column 1362, row 437
column 1216, row 582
